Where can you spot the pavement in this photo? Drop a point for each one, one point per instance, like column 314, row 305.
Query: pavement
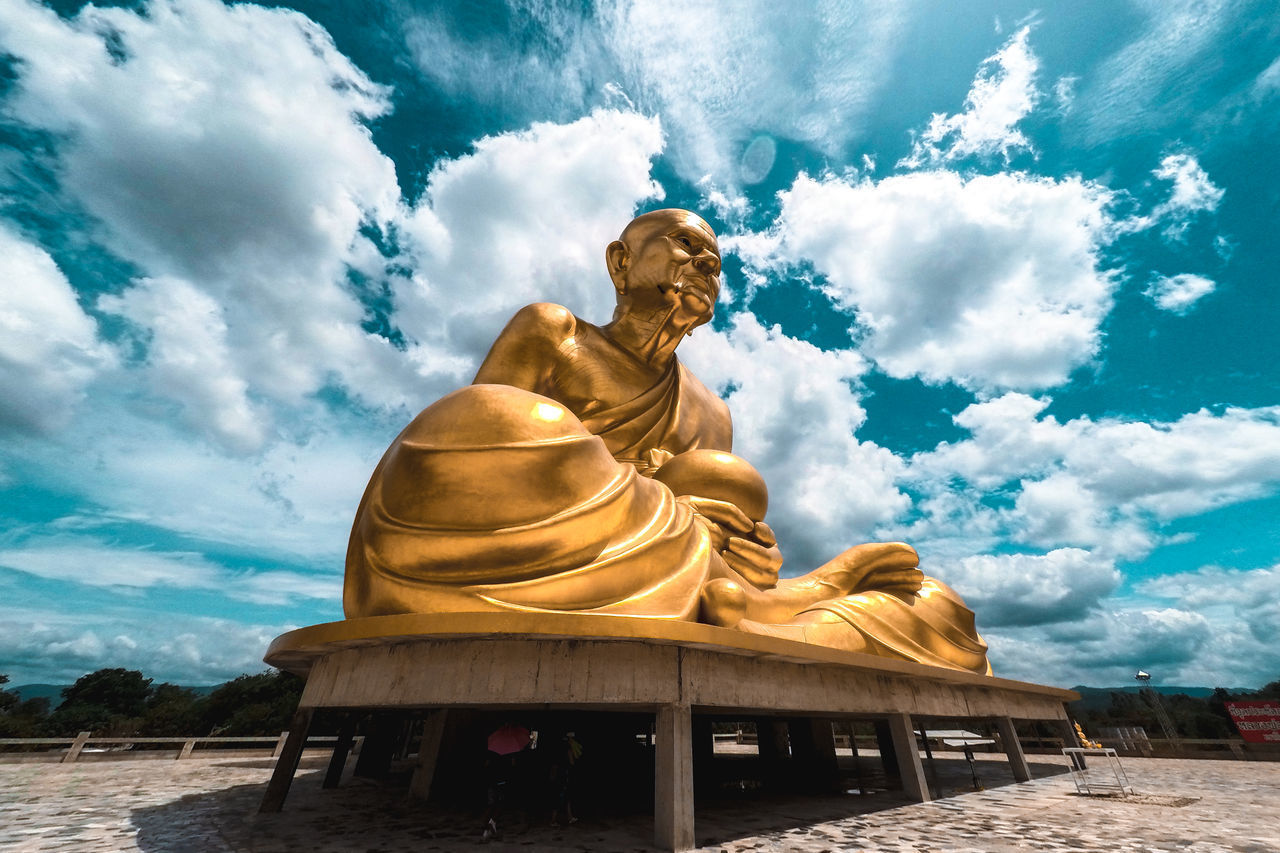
column 207, row 804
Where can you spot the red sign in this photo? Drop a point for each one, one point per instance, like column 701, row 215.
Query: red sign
column 1258, row 722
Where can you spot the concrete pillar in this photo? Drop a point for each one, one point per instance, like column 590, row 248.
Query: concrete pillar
column 909, row 767
column 186, row 749
column 704, row 751
column 287, row 763
column 673, row 778
column 888, row 755
column 1013, row 749
column 813, row 748
column 428, row 752
column 774, row 746
column 73, row 754
column 379, row 748
column 341, row 749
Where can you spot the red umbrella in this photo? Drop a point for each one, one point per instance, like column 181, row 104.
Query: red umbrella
column 508, row 739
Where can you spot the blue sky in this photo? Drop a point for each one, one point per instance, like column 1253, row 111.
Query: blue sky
column 999, row 281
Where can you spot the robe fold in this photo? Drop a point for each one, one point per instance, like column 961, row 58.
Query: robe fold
column 498, row 499
column 495, row 498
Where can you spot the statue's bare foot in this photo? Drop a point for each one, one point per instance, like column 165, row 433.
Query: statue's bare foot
column 884, row 566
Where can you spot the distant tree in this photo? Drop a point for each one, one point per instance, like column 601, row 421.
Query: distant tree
column 259, row 704
column 171, row 711
column 1269, row 691
column 107, row 702
column 121, row 691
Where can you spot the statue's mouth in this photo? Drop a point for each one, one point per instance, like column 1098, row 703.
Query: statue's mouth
column 697, row 285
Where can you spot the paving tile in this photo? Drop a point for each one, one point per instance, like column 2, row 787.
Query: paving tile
column 209, row 805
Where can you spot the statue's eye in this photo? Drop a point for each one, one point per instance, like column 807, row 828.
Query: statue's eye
column 684, row 241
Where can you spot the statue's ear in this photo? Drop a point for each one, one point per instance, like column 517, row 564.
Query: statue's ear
column 618, row 258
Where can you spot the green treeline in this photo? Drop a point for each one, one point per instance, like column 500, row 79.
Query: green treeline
column 1192, row 716
column 123, row 703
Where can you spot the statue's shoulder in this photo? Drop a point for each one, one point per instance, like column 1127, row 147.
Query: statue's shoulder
column 543, row 319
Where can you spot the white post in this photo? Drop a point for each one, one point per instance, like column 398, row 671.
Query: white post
column 73, row 754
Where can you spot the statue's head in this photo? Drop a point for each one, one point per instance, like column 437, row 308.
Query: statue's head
column 667, row 259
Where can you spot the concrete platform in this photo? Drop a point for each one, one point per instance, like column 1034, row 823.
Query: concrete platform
column 672, row 670
column 1184, row 805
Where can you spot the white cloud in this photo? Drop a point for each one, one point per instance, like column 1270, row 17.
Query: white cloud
column 1106, row 647
column 1178, row 293
column 720, row 74
column 1104, row 484
column 524, row 218
column 189, row 359
column 991, row 282
column 49, row 347
column 224, row 146
column 795, row 415
column 1192, row 193
column 1032, row 589
column 294, row 501
column 1151, row 81
column 92, row 562
column 1003, row 93
column 163, row 646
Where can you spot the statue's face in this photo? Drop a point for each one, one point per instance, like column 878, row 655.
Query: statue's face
column 674, row 259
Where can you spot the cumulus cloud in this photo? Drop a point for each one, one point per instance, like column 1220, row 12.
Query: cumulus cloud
column 1179, row 293
column 992, row 282
column 223, row 146
column 795, row 413
column 189, row 359
column 1106, row 648
column 1105, row 484
column 1033, row 589
column 49, row 347
column 1003, row 93
column 164, row 646
column 524, row 218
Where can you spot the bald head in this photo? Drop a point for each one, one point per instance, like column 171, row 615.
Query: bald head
column 655, row 221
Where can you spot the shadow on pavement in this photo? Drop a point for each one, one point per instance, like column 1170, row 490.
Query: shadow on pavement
column 364, row 815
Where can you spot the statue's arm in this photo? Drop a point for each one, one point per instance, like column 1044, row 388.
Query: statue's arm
column 528, row 350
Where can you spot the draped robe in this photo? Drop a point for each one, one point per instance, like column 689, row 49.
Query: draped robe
column 498, row 499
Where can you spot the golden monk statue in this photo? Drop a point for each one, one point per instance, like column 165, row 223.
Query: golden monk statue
column 588, row 471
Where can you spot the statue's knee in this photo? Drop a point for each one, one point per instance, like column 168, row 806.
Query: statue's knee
column 724, row 603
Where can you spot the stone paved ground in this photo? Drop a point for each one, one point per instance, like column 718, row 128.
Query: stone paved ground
column 208, row 805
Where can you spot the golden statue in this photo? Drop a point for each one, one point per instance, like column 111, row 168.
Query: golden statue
column 588, row 471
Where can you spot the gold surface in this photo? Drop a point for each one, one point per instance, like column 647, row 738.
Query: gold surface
column 587, row 471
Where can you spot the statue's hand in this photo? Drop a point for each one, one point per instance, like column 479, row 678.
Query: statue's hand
column 755, row 562
column 748, row 547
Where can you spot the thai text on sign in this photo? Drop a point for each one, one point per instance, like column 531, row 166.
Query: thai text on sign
column 1257, row 722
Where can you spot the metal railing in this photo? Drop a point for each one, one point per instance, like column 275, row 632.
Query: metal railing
column 186, row 745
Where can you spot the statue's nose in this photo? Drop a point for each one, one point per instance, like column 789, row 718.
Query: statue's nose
column 706, row 262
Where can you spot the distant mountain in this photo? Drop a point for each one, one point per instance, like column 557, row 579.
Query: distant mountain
column 1099, row 698
column 53, row 692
